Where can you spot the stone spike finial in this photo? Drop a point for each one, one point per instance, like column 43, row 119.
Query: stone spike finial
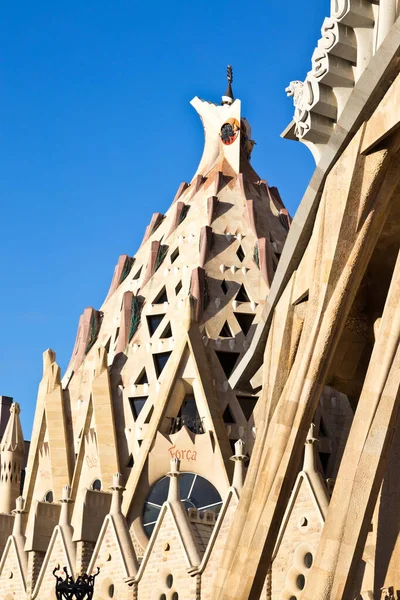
column 117, row 489
column 239, row 459
column 19, row 505
column 175, row 467
column 228, row 97
column 66, row 494
column 174, row 474
column 117, row 481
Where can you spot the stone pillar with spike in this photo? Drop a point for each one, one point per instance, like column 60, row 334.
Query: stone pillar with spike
column 239, row 459
column 12, row 450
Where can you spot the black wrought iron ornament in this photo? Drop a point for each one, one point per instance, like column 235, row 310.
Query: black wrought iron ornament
column 69, row 589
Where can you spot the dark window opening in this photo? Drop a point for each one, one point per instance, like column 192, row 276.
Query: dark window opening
column 247, row 404
column 308, row 560
column 303, row 298
column 153, row 322
column 130, row 462
column 142, row 378
column 322, row 429
column 188, row 415
column 174, row 255
column 150, row 414
column 228, row 416
column 300, row 582
column 242, row 296
column 137, row 274
column 240, row 254
column 225, row 331
column 160, row 360
column 227, row 361
column 137, row 405
column 178, row 287
column 169, row 581
column 245, row 321
column 96, row 485
column 224, row 286
column 116, row 335
column 161, row 298
column 324, row 458
column 48, row 497
column 167, row 333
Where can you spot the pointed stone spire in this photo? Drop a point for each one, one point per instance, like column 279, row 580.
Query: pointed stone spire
column 180, row 514
column 12, row 458
column 228, row 98
column 239, row 459
column 118, row 518
column 311, row 470
column 65, row 523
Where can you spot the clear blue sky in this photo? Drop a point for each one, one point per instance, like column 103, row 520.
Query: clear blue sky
column 97, row 133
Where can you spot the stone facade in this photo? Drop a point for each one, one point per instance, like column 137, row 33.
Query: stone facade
column 227, row 425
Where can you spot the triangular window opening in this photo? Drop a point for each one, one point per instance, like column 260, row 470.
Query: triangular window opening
column 245, row 321
column 161, row 298
column 160, row 360
column 153, row 322
column 247, row 404
column 188, row 415
column 178, row 288
column 228, row 417
column 116, row 335
column 137, row 404
column 147, row 419
column 240, row 254
column 224, row 287
column 137, row 274
column 225, row 331
column 174, row 255
column 242, row 296
column 228, row 361
column 167, row 333
column 303, row 298
column 322, row 429
column 130, row 462
column 142, row 378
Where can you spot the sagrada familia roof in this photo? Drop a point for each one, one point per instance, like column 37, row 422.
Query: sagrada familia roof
column 227, row 426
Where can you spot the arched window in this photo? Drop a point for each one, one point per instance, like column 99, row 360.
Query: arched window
column 48, row 497
column 96, row 485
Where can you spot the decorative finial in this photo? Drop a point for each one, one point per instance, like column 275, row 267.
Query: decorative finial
column 228, row 98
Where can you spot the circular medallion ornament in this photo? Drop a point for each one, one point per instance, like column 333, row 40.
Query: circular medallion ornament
column 229, row 131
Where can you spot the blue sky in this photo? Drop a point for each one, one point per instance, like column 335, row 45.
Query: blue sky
column 97, row 133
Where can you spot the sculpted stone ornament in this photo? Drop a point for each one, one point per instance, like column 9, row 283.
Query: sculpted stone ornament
column 68, row 589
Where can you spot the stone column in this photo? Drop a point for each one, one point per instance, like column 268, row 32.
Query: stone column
column 387, row 16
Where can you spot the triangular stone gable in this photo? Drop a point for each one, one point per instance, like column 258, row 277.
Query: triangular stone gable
column 300, row 532
column 109, row 556
column 57, row 554
column 216, row 546
column 12, row 580
column 166, row 555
